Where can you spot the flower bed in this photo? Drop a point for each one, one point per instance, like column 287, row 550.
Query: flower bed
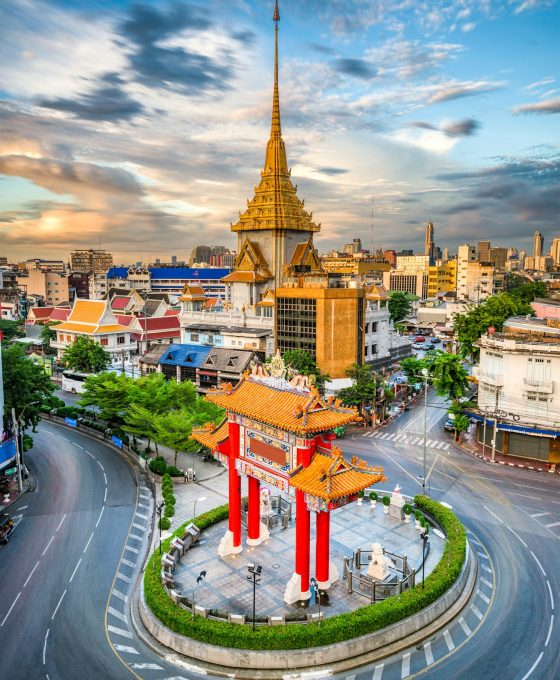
column 334, row 629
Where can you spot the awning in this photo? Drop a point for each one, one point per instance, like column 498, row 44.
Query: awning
column 522, row 429
column 7, row 453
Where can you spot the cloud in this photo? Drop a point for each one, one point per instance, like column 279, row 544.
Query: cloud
column 109, row 101
column 359, row 68
column 456, row 90
column 322, row 49
column 332, row 171
column 159, row 62
column 460, row 128
column 547, row 106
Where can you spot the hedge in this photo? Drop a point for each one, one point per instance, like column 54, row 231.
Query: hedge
column 334, row 629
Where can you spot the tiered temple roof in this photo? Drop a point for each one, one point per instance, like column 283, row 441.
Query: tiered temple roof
column 211, row 436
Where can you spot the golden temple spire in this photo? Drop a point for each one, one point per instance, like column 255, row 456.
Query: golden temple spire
column 275, row 159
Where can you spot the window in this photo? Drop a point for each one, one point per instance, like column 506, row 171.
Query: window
column 374, row 349
column 194, row 337
column 120, row 339
column 374, row 327
column 367, row 327
column 367, row 350
column 538, row 370
column 104, row 342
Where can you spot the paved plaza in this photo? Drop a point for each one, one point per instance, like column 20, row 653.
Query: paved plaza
column 226, row 586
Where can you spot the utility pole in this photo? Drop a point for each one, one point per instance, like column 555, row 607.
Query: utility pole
column 494, row 439
column 425, row 374
column 1, row 386
column 484, row 431
column 18, row 452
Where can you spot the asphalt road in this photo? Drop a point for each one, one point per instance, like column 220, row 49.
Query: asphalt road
column 58, row 568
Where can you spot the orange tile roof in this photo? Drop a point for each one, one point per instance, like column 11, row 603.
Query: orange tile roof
column 331, row 477
column 90, row 329
column 245, row 277
column 289, row 409
column 210, row 435
column 87, row 311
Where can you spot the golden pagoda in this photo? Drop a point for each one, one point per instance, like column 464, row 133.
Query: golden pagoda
column 275, row 222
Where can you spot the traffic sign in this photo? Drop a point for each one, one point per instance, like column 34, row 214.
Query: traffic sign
column 10, row 471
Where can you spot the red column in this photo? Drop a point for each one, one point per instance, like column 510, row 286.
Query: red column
column 234, row 486
column 303, row 532
column 254, row 512
column 322, row 549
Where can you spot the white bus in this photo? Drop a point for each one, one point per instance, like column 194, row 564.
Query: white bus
column 72, row 381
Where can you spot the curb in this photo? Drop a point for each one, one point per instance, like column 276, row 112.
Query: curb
column 521, row 466
column 338, row 657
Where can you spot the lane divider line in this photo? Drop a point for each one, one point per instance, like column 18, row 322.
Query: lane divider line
column 10, row 609
column 549, row 630
column 100, row 516
column 89, row 541
column 45, row 647
column 75, row 570
column 58, row 605
column 537, row 561
column 533, row 667
column 60, row 524
column 31, row 573
column 551, row 595
column 47, row 546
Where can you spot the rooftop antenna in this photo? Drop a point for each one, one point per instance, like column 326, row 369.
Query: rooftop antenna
column 371, row 240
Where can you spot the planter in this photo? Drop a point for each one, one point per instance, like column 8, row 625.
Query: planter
column 406, row 518
column 417, row 525
column 386, row 510
column 359, row 501
column 373, row 504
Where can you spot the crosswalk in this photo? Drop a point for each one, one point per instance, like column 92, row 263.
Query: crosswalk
column 407, row 438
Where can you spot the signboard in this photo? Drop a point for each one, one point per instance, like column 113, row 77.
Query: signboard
column 7, row 452
column 117, row 441
column 10, row 471
column 71, row 422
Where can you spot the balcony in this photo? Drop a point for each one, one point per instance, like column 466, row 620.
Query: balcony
column 538, row 386
column 488, row 378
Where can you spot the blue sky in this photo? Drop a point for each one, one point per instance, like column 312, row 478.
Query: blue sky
column 143, row 126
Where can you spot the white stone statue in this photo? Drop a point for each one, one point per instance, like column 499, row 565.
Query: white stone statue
column 378, row 568
column 397, row 504
column 266, row 507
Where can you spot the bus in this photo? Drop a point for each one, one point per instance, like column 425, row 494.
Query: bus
column 72, row 381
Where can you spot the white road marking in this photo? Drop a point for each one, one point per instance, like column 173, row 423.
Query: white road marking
column 533, row 667
column 366, row 434
column 540, row 514
column 90, row 455
column 428, row 654
column 135, row 536
column 45, row 647
column 80, row 447
column 143, row 505
column 101, row 513
column 537, row 561
column 89, row 541
column 121, row 596
column 483, row 555
column 551, row 596
column 105, row 495
column 448, row 640
column 554, row 524
column 101, row 466
column 105, row 478
column 493, row 514
column 464, row 626
column 139, row 514
column 124, row 578
column 476, row 611
column 440, row 445
column 75, row 570
column 65, row 438
column 10, row 609
column 120, row 631
column 23, row 507
column 487, row 569
column 58, row 605
column 133, row 550
column 446, row 447
column 430, row 442
column 137, row 526
column 378, row 672
column 414, row 442
column 128, row 563
column 405, row 669
column 47, row 547
column 549, row 630
column 486, row 582
column 518, row 536
column 384, row 436
column 123, row 648
column 60, row 523
column 483, row 596
column 117, row 614
column 147, row 667
column 524, row 495
column 31, row 574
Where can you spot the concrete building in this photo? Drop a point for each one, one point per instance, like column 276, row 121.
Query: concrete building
column 498, row 257
column 78, row 285
column 475, row 280
column 415, row 283
column 429, row 245
column 442, row 277
column 518, row 391
column 483, row 251
column 538, row 244
column 90, row 261
column 95, row 319
column 355, row 266
column 51, row 285
column 390, row 256
column 170, row 280
column 540, row 263
column 410, row 264
column 555, row 252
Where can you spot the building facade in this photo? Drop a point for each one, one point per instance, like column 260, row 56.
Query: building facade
column 90, row 261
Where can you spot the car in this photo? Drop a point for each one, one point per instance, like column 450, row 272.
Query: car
column 419, row 338
column 449, row 425
column 6, row 527
column 431, row 346
column 435, row 341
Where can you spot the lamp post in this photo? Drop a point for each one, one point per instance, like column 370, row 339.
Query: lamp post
column 254, row 574
column 199, row 578
column 424, row 537
column 159, row 510
column 196, row 500
column 315, row 587
column 425, row 376
column 484, row 431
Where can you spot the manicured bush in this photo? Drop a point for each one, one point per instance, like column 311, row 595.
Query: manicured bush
column 419, row 515
column 157, row 466
column 334, row 629
column 407, row 508
column 169, row 510
column 169, row 499
column 386, row 501
column 373, row 496
column 361, row 493
column 164, row 523
column 173, row 471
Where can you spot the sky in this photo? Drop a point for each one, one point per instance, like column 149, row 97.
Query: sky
column 141, row 127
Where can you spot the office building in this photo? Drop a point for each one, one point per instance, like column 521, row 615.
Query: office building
column 538, row 244
column 483, row 251
column 90, row 261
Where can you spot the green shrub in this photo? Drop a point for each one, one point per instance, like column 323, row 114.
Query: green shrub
column 373, row 496
column 419, row 515
column 164, row 523
column 407, row 508
column 361, row 493
column 169, row 499
column 166, row 483
column 166, row 478
column 157, row 466
column 173, row 471
column 386, row 501
column 169, row 510
column 334, row 629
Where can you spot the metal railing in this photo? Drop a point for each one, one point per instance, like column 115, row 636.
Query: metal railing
column 367, row 586
column 281, row 513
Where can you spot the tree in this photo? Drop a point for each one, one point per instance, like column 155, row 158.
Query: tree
column 303, row 363
column 399, row 305
column 11, row 329
column 174, row 430
column 494, row 311
column 86, row 355
column 412, row 368
column 461, row 424
column 24, row 383
column 448, row 376
column 47, row 335
column 110, row 393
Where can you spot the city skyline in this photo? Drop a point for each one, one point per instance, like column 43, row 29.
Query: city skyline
column 150, row 139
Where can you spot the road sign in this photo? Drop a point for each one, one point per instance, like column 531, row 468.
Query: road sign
column 10, row 471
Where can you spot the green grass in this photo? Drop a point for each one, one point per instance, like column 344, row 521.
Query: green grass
column 334, row 629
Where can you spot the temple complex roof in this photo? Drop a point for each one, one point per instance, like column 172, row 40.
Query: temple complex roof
column 331, row 476
column 210, row 435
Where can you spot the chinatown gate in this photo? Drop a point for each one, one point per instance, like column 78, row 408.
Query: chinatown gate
column 279, row 434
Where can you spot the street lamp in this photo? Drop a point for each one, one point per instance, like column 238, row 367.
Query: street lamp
column 19, row 445
column 196, row 500
column 254, row 573
column 424, row 372
column 424, row 537
column 199, row 578
column 159, row 510
column 315, row 587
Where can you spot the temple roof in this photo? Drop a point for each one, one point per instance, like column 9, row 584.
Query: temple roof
column 331, row 476
column 275, row 204
column 250, row 265
column 281, row 404
column 211, row 436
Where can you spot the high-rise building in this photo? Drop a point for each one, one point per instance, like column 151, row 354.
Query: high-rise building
column 353, row 248
column 413, row 263
column 429, row 246
column 90, row 261
column 442, row 278
column 390, row 256
column 498, row 257
column 483, row 249
column 538, row 244
column 555, row 251
column 475, row 280
column 445, row 254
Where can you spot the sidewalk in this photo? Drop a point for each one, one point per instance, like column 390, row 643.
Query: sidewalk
column 16, row 495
